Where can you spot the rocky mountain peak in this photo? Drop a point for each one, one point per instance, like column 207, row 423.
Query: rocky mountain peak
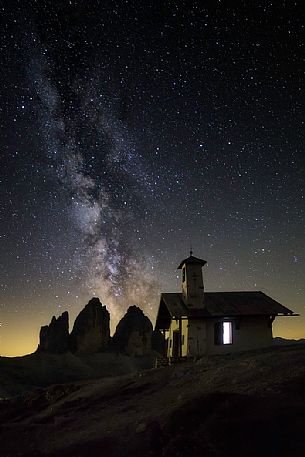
column 55, row 336
column 91, row 331
column 133, row 333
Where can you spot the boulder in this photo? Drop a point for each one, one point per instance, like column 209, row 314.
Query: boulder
column 91, row 331
column 54, row 338
column 133, row 333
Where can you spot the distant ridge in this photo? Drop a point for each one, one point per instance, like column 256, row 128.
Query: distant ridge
column 283, row 341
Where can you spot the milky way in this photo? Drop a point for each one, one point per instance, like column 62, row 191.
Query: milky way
column 96, row 162
column 131, row 130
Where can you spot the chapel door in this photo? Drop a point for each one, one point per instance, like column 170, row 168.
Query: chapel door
column 176, row 344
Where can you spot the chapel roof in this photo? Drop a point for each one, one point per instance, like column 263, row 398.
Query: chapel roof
column 219, row 304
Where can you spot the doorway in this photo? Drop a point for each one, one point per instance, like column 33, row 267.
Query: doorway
column 176, row 344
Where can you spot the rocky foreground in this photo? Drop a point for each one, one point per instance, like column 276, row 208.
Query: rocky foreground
column 251, row 404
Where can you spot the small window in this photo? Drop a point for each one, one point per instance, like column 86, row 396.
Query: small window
column 183, row 274
column 223, row 333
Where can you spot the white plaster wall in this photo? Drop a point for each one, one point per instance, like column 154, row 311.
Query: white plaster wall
column 192, row 287
column 197, row 338
column 253, row 333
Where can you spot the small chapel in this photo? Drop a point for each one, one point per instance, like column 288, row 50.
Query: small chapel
column 196, row 323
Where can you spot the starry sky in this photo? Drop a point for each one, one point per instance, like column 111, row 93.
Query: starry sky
column 131, row 130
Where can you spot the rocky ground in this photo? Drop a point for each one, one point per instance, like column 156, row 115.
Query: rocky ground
column 252, row 404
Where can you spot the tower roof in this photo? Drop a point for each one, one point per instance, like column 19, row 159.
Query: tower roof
column 192, row 260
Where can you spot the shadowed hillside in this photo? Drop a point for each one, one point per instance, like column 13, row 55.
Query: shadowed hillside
column 252, row 404
column 22, row 374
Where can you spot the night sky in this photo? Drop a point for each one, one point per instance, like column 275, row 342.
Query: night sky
column 130, row 130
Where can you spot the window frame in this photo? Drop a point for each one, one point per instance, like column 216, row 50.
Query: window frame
column 219, row 333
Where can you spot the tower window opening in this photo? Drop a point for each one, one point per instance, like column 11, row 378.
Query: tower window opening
column 183, row 274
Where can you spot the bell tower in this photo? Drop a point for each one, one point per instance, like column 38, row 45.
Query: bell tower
column 192, row 281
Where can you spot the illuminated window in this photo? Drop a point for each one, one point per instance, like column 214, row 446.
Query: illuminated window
column 223, row 333
column 227, row 332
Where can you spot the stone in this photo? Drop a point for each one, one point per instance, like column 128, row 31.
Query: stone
column 133, row 333
column 54, row 338
column 91, row 330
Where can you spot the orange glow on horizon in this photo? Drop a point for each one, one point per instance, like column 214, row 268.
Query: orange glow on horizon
column 19, row 340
